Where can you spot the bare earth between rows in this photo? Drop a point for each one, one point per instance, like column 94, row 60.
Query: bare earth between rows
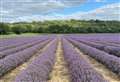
column 10, row 76
column 60, row 71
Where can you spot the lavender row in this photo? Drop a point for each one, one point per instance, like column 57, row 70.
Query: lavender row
column 39, row 69
column 107, row 43
column 80, row 69
column 113, row 50
column 109, row 49
column 112, row 62
column 17, row 42
column 108, row 39
column 102, row 42
column 20, row 41
column 11, row 41
column 12, row 61
column 19, row 48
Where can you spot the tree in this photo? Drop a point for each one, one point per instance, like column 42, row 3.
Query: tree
column 18, row 29
column 4, row 28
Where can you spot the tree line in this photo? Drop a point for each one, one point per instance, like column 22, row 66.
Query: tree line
column 61, row 26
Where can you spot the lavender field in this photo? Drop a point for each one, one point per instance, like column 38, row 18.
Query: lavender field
column 60, row 58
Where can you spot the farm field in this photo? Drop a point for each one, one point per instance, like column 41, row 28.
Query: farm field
column 60, row 58
column 15, row 35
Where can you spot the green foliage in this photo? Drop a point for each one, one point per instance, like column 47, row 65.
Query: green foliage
column 4, row 28
column 18, row 29
column 62, row 26
column 55, row 28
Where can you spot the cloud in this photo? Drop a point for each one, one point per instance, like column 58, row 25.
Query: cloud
column 43, row 6
column 73, row 2
column 39, row 18
column 29, row 10
column 108, row 12
column 19, row 8
column 100, row 0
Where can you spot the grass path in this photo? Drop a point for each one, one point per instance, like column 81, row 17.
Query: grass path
column 20, row 35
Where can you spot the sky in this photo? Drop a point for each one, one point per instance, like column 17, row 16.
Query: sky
column 40, row 10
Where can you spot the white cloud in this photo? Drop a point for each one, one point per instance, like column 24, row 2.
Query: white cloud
column 29, row 10
column 19, row 8
column 100, row 0
column 39, row 18
column 73, row 2
column 43, row 6
column 108, row 12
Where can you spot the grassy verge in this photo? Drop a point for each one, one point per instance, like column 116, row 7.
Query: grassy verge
column 20, row 35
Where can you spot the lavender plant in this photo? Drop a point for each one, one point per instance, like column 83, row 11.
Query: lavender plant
column 39, row 69
column 10, row 62
column 80, row 69
column 20, row 48
column 112, row 62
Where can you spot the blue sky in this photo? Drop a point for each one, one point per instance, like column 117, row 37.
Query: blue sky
column 87, row 6
column 40, row 10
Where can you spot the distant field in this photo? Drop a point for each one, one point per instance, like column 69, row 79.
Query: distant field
column 35, row 34
column 60, row 58
column 20, row 35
